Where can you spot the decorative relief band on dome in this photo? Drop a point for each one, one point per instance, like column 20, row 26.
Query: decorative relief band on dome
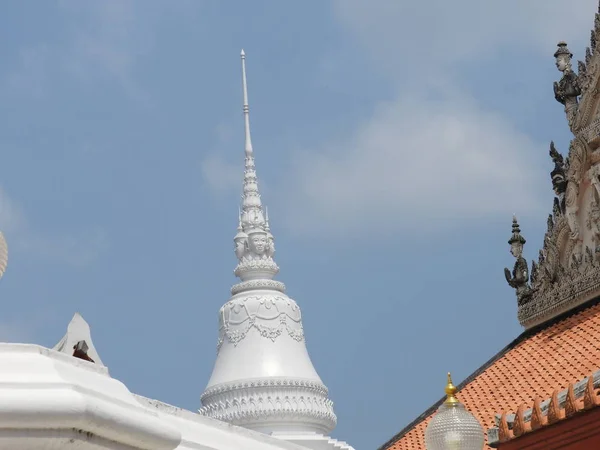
column 270, row 315
column 317, row 388
column 259, row 409
column 257, row 284
column 257, row 401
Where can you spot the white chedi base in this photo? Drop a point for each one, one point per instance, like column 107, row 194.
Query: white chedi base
column 271, row 404
column 263, row 377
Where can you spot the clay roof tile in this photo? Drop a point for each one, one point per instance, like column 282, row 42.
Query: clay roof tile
column 534, row 365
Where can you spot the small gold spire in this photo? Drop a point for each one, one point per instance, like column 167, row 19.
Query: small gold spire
column 450, row 392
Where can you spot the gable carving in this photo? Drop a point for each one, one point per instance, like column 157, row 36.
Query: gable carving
column 567, row 270
column 585, row 84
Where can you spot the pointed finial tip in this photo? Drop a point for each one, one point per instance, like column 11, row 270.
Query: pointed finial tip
column 450, row 391
column 242, row 53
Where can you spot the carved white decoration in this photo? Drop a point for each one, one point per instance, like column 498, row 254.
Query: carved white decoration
column 257, row 284
column 270, row 315
column 263, row 377
column 273, row 401
column 3, row 254
column 254, row 244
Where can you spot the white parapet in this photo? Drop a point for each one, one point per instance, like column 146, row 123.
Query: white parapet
column 52, row 401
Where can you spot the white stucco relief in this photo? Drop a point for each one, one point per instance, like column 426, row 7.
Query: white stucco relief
column 271, row 315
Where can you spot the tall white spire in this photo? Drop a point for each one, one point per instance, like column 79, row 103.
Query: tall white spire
column 263, row 377
column 254, row 244
column 246, row 106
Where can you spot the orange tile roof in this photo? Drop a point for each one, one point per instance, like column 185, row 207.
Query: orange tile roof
column 555, row 412
column 534, row 365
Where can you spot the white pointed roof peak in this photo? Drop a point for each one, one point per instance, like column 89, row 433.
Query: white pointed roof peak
column 246, row 106
column 78, row 341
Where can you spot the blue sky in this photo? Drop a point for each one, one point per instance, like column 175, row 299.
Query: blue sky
column 393, row 140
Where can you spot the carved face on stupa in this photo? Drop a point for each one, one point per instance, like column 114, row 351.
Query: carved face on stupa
column 516, row 249
column 258, row 242
column 240, row 246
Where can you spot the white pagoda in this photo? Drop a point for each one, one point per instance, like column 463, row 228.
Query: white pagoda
column 264, row 392
column 263, row 378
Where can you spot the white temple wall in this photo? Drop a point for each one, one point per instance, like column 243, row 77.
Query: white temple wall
column 51, row 400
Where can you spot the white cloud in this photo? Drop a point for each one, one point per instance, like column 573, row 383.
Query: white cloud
column 77, row 250
column 105, row 40
column 420, row 164
column 30, row 76
column 11, row 217
column 431, row 34
column 221, row 176
column 415, row 165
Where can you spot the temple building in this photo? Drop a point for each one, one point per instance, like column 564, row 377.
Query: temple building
column 541, row 390
column 264, row 392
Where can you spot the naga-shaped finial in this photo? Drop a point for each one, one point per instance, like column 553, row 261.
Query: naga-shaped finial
column 519, row 278
column 558, row 175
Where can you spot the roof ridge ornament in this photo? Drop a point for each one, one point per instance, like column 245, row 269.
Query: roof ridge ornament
column 450, row 391
column 567, row 89
column 254, row 243
column 567, row 271
column 577, row 92
column 77, row 341
column 452, row 426
column 519, row 278
column 558, row 176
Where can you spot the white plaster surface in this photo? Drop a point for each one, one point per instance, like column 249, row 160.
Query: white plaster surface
column 53, row 401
